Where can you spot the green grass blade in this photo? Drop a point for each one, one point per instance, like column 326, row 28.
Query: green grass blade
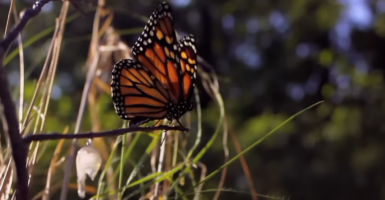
column 257, row 142
column 121, row 165
column 108, row 164
column 37, row 37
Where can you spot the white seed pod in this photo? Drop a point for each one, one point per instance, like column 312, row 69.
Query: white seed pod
column 88, row 162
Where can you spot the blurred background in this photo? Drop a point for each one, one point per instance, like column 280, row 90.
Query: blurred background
column 272, row 58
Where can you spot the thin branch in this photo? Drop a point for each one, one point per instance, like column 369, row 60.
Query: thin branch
column 83, row 104
column 57, row 136
column 226, row 152
column 19, row 150
column 28, row 14
column 8, row 24
column 242, row 159
column 203, row 175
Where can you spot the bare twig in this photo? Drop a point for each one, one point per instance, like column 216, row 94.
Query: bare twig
column 6, row 174
column 19, row 151
column 203, row 175
column 40, row 81
column 242, row 159
column 154, row 154
column 116, row 132
column 71, row 155
column 224, row 171
column 83, row 103
column 28, row 14
column 8, row 24
column 52, row 168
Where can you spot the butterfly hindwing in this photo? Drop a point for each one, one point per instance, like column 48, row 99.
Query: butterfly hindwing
column 187, row 65
column 136, row 93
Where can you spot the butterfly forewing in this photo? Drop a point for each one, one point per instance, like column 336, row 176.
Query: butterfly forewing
column 157, row 47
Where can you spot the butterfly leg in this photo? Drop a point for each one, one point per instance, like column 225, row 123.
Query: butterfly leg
column 157, row 123
column 180, row 124
column 137, row 121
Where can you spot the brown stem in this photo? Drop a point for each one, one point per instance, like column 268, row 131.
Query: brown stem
column 19, row 150
column 57, row 136
column 28, row 14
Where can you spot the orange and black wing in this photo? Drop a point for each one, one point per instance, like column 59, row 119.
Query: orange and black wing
column 137, row 95
column 157, row 47
column 187, row 66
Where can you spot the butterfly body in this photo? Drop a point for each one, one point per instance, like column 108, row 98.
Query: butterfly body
column 159, row 83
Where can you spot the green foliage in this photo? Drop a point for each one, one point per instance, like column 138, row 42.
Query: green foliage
column 256, row 127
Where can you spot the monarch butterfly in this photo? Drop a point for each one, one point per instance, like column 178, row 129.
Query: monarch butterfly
column 159, row 83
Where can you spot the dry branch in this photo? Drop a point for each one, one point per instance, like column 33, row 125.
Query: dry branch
column 19, row 150
column 116, row 132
